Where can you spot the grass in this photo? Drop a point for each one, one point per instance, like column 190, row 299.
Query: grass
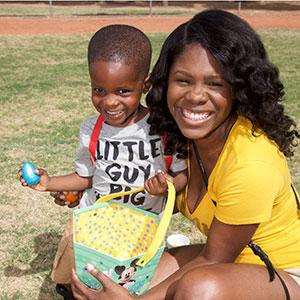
column 96, row 9
column 44, row 95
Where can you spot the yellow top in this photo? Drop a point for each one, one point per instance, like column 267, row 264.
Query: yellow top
column 251, row 184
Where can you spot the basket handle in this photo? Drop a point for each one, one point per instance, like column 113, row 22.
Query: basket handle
column 162, row 226
column 116, row 195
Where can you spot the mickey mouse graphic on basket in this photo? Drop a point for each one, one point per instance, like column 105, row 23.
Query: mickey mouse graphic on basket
column 126, row 274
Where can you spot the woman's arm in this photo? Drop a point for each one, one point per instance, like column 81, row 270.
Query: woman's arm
column 224, row 244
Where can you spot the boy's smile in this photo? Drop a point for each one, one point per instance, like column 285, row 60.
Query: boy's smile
column 116, row 92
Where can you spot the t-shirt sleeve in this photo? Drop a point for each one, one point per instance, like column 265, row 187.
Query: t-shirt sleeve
column 246, row 195
column 83, row 165
column 178, row 164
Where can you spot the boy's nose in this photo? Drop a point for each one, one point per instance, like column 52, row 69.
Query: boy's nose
column 111, row 101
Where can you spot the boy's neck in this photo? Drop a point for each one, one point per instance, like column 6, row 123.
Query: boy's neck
column 140, row 113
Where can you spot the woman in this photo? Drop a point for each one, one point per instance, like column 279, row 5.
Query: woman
column 218, row 97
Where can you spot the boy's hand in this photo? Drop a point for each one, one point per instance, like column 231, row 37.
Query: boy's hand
column 61, row 198
column 157, row 185
column 41, row 185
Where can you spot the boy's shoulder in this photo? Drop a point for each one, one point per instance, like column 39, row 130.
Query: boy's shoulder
column 88, row 124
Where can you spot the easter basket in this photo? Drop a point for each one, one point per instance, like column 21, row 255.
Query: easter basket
column 124, row 242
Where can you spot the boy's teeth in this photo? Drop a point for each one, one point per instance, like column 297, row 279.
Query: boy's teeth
column 194, row 116
column 113, row 113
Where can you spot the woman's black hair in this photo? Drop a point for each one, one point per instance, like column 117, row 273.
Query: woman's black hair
column 257, row 89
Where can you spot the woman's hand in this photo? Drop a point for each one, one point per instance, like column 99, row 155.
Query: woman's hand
column 110, row 291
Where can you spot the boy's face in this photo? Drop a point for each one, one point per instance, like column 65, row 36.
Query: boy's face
column 116, row 92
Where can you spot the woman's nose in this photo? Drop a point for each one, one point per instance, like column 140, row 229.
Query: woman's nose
column 198, row 94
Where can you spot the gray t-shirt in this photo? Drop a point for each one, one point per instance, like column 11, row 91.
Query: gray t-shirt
column 125, row 158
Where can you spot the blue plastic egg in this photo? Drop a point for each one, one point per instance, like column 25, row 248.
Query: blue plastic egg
column 28, row 174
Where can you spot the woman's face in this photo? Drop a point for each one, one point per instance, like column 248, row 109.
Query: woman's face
column 198, row 97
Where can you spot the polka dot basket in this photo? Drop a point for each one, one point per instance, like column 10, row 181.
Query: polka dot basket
column 124, row 242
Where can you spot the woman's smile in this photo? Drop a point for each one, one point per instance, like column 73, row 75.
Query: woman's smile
column 198, row 97
column 193, row 115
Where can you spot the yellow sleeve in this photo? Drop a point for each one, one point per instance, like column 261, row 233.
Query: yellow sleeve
column 247, row 194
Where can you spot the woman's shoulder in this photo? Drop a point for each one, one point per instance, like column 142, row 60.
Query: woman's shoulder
column 244, row 144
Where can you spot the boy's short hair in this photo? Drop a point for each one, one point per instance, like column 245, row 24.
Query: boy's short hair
column 121, row 43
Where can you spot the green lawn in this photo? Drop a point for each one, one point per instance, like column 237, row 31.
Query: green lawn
column 92, row 9
column 44, row 96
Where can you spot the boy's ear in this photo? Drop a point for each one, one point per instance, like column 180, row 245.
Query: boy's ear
column 147, row 84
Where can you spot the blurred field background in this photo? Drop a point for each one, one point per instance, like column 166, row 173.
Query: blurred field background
column 100, row 8
column 79, row 8
column 44, row 96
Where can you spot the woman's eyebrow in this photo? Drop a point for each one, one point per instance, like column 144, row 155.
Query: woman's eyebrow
column 181, row 72
column 215, row 76
column 187, row 73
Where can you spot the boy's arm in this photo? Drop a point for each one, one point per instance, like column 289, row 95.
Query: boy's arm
column 69, row 182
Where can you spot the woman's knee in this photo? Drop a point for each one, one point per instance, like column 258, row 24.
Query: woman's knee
column 202, row 283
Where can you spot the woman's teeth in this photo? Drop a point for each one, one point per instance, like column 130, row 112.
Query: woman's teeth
column 194, row 116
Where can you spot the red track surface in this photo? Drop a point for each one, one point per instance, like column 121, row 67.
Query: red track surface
column 9, row 25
